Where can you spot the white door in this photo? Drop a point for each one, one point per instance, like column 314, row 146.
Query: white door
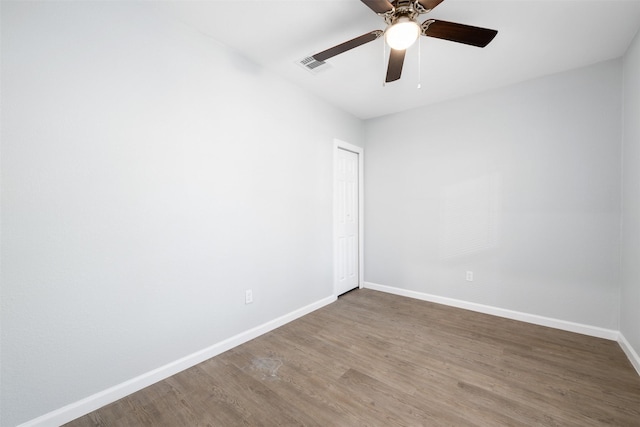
column 347, row 226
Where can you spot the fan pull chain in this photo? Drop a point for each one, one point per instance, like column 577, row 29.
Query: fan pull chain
column 384, row 55
column 419, row 62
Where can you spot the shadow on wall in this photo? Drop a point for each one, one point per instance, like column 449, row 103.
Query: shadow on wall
column 470, row 216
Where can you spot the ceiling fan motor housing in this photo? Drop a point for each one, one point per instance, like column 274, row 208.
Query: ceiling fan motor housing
column 403, row 9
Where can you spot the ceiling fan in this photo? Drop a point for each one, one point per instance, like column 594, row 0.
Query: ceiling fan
column 403, row 30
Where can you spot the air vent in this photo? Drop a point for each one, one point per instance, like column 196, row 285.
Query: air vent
column 313, row 65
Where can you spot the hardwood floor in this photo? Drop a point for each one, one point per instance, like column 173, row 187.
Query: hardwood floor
column 373, row 359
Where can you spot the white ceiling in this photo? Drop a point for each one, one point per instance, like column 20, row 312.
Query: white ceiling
column 534, row 38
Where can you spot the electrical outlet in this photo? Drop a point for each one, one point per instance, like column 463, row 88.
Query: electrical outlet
column 248, row 296
column 469, row 276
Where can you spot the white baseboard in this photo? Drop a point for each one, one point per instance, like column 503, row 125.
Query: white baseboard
column 98, row 400
column 564, row 325
column 634, row 358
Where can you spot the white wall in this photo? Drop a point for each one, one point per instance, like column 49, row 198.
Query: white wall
column 519, row 185
column 149, row 177
column 630, row 308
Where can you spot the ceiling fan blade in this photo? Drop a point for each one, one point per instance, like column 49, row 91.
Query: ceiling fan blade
column 429, row 4
column 348, row 45
column 378, row 6
column 396, row 60
column 460, row 33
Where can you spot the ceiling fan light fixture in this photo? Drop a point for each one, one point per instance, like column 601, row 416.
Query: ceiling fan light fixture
column 402, row 34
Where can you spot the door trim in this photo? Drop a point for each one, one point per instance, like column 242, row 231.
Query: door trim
column 342, row 145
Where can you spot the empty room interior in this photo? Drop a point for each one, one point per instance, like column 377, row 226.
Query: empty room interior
column 261, row 213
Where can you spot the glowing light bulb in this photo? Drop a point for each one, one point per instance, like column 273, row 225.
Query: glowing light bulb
column 402, row 34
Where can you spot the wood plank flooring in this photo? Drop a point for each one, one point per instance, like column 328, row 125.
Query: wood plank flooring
column 373, row 359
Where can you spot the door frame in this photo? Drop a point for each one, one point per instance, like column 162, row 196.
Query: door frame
column 342, row 145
